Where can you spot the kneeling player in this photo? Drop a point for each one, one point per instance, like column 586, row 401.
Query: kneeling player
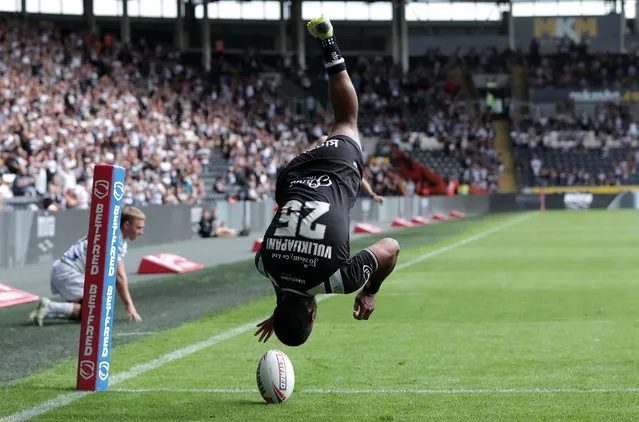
column 67, row 274
column 306, row 249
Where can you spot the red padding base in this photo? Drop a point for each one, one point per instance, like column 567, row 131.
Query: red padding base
column 418, row 219
column 166, row 263
column 401, row 222
column 256, row 245
column 440, row 217
column 367, row 229
column 457, row 214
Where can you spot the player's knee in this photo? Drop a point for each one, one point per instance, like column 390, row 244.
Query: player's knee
column 386, row 251
column 390, row 246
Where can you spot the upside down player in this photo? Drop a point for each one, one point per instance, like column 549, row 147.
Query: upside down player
column 67, row 275
column 306, row 249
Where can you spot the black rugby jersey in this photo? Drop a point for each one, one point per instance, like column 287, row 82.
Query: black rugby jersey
column 309, row 236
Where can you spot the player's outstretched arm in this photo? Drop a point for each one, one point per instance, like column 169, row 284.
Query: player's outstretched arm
column 122, row 286
column 342, row 92
column 369, row 190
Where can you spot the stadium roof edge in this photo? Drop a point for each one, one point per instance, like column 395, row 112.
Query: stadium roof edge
column 405, row 1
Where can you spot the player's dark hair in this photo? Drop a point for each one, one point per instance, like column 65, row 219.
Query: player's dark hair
column 292, row 323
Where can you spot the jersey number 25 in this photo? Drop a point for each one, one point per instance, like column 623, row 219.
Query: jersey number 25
column 290, row 215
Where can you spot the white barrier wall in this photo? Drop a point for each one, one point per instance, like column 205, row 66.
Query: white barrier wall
column 28, row 237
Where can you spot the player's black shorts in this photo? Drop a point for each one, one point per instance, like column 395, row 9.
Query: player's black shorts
column 348, row 278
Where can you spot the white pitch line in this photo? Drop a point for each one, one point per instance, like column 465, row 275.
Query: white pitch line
column 140, row 333
column 453, row 391
column 68, row 398
column 466, row 241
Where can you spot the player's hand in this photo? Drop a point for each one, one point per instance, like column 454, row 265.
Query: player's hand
column 364, row 306
column 133, row 313
column 378, row 199
column 265, row 329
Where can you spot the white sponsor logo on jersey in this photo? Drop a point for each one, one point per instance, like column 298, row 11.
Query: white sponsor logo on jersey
column 292, row 279
column 314, row 182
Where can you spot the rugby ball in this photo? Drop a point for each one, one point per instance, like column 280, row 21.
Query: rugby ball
column 275, row 377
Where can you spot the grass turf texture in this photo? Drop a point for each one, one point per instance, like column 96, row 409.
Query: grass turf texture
column 163, row 304
column 545, row 304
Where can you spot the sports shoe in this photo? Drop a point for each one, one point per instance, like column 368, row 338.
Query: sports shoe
column 37, row 316
column 320, row 28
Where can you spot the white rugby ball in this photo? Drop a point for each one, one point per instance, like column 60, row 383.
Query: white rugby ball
column 275, row 377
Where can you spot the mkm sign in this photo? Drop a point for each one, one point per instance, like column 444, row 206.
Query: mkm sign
column 575, row 29
column 602, row 33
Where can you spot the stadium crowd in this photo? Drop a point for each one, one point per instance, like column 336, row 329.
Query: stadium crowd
column 592, row 146
column 573, row 65
column 421, row 112
column 586, row 149
column 68, row 100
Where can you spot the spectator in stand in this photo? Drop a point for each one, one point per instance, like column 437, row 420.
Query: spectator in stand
column 382, row 179
column 587, row 149
column 66, row 104
column 68, row 100
column 573, row 65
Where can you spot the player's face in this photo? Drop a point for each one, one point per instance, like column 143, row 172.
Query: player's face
column 134, row 228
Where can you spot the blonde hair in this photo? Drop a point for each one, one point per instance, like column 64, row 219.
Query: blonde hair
column 130, row 214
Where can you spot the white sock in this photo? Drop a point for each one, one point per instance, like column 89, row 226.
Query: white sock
column 59, row 310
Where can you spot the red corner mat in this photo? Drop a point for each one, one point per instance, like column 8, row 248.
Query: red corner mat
column 365, row 228
column 256, row 245
column 440, row 217
column 402, row 222
column 420, row 220
column 165, row 263
column 10, row 296
column 457, row 214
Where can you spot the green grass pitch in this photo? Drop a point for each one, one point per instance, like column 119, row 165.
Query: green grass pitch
column 517, row 318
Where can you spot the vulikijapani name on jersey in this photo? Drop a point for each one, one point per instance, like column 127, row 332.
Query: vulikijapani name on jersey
column 300, row 246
